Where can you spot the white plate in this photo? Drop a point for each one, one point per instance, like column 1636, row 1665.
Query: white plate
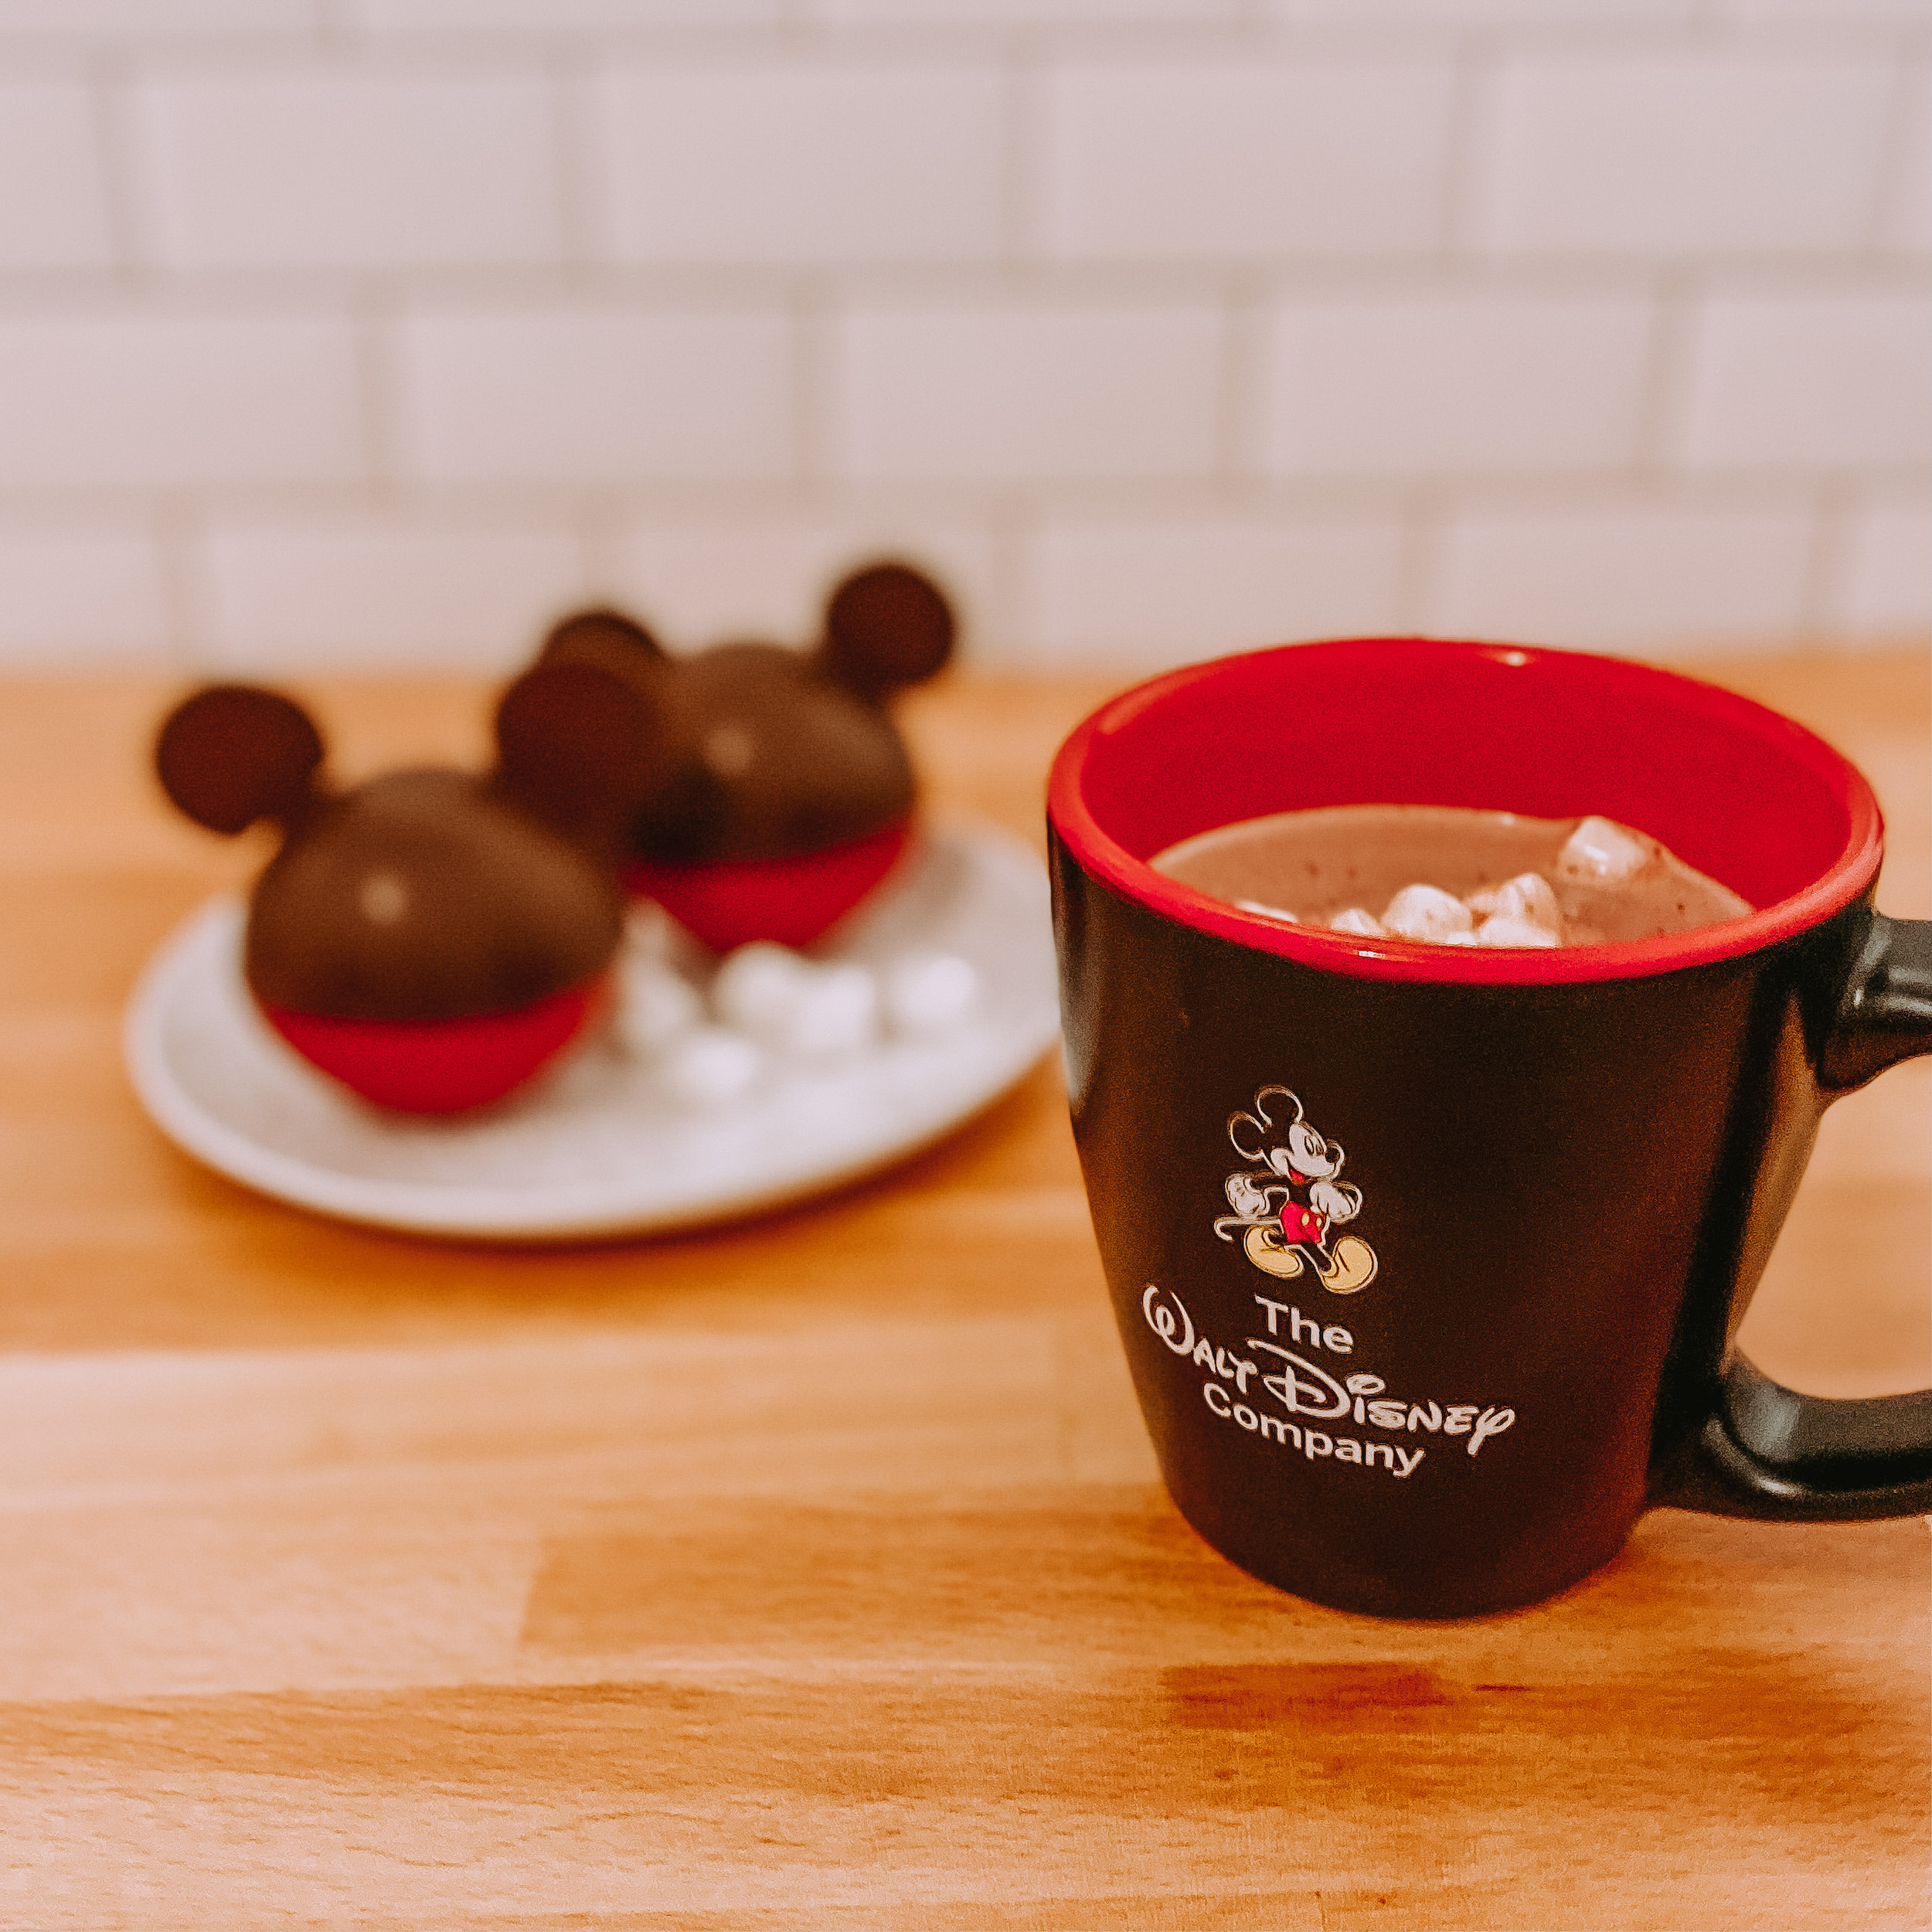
column 597, row 1148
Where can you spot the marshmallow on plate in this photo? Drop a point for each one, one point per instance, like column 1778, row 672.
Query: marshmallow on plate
column 930, row 993
column 709, row 1066
column 793, row 1007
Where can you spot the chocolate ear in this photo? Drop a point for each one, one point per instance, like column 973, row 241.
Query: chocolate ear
column 605, row 638
column 886, row 626
column 577, row 746
column 232, row 753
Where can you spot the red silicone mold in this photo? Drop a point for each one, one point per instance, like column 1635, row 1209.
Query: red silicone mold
column 441, row 1066
column 728, row 903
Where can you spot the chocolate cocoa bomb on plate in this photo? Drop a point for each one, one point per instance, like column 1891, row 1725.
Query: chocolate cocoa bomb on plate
column 781, row 792
column 431, row 938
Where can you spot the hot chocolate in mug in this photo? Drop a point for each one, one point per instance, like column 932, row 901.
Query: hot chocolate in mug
column 1561, row 1170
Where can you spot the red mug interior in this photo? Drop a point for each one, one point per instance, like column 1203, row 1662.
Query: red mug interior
column 1742, row 794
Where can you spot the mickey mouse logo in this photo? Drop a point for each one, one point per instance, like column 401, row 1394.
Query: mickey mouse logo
column 1287, row 1202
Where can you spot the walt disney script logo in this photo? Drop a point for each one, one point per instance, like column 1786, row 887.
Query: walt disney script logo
column 1296, row 1386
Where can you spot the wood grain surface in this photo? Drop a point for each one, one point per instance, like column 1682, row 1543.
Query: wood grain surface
column 814, row 1572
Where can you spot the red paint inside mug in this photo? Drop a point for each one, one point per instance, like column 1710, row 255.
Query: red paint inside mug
column 444, row 1066
column 728, row 903
column 1742, row 794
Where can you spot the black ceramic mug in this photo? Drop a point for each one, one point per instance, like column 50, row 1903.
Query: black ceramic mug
column 1564, row 1168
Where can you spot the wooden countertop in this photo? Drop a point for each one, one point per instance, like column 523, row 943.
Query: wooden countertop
column 814, row 1572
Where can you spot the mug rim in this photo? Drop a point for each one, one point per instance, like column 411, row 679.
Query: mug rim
column 1850, row 874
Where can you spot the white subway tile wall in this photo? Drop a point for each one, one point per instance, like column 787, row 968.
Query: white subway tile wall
column 1598, row 572
column 1244, row 160
column 164, row 401
column 1441, row 383
column 1888, row 576
column 367, row 588
column 53, row 202
column 336, row 332
column 1907, row 221
column 1181, row 587
column 1028, row 391
column 562, row 400
column 752, row 574
column 1797, row 381
column 1672, row 153
column 796, row 162
column 79, row 594
column 351, row 165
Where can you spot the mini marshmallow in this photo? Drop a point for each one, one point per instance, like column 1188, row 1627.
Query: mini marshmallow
column 647, row 930
column 758, row 987
column 1501, row 930
column 1602, row 851
column 1267, row 911
column 1357, row 919
column 655, row 1006
column 836, row 1013
column 930, row 993
column 1426, row 912
column 710, row 1067
column 1529, row 897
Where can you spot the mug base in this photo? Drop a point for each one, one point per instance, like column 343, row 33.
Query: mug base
column 1362, row 1592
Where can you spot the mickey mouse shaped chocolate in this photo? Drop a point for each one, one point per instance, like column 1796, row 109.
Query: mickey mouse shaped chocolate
column 431, row 938
column 782, row 792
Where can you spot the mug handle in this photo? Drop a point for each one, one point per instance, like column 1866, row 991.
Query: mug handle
column 1766, row 1451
